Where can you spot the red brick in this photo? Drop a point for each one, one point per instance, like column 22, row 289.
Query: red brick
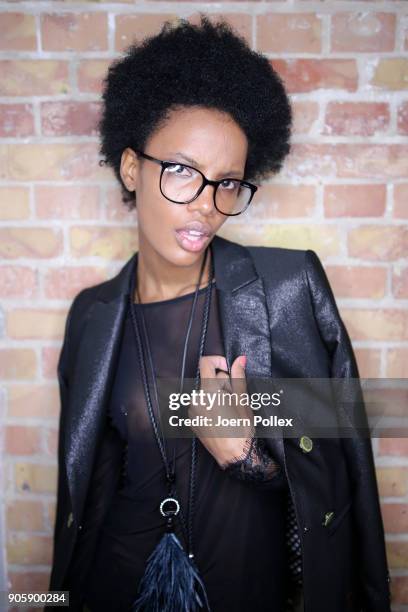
column 28, row 581
column 358, row 281
column 393, row 447
column 25, row 515
column 369, row 362
column 102, row 241
column 305, row 114
column 22, row 440
column 289, row 33
column 51, row 442
column 17, row 32
column 27, row 549
column 14, row 203
column 397, row 554
column 241, row 22
column 33, row 77
column 400, row 210
column 402, row 118
column 392, row 481
column 378, row 242
column 66, row 282
column 16, row 120
column 305, row 75
column 70, row 118
column 35, row 477
column 395, row 517
column 35, row 323
column 116, row 209
column 384, row 324
column 283, row 201
column 49, row 358
column 57, row 161
column 133, row 28
column 37, row 242
column 354, row 200
column 18, row 282
column 67, row 202
column 74, row 32
column 391, row 74
column 356, row 118
column 326, row 239
column 34, row 401
column 372, row 161
column 400, row 282
column 399, row 590
column 397, row 363
column 90, row 74
column 17, row 363
column 363, row 32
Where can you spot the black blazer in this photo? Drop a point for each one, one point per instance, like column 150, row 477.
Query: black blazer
column 276, row 306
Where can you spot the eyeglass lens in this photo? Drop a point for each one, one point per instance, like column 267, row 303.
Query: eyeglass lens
column 181, row 183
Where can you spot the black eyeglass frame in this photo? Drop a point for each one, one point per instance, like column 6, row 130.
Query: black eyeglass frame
column 165, row 164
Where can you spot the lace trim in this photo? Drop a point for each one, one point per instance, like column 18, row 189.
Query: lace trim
column 254, row 463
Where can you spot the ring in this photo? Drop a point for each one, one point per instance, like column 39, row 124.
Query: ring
column 169, row 512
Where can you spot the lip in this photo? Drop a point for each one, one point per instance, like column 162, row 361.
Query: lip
column 193, row 243
column 197, row 226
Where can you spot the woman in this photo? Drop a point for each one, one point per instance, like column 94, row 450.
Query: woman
column 191, row 118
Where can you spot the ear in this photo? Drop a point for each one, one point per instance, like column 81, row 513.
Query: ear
column 129, row 169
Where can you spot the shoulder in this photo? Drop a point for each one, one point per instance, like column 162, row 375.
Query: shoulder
column 82, row 305
column 278, row 263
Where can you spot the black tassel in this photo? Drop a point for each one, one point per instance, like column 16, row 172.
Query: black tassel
column 171, row 582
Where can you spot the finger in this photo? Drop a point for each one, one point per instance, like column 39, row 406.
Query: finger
column 238, row 378
column 209, row 363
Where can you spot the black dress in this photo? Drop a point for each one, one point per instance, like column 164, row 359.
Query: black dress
column 239, row 520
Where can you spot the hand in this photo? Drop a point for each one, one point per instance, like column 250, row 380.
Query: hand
column 223, row 449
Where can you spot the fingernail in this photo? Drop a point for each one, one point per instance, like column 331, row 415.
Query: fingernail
column 242, row 360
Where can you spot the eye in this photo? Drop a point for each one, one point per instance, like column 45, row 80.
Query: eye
column 179, row 170
column 232, row 184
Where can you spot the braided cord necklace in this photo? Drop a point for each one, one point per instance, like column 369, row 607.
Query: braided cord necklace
column 171, row 582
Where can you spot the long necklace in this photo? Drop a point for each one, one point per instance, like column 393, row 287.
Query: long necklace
column 171, row 582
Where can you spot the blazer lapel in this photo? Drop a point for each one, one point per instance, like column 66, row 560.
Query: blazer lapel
column 245, row 330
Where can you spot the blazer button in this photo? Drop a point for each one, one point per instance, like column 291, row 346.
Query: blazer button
column 328, row 517
column 306, row 444
column 70, row 519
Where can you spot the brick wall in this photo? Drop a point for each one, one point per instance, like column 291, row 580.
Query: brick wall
column 343, row 192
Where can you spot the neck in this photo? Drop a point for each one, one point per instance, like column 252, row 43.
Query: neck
column 158, row 279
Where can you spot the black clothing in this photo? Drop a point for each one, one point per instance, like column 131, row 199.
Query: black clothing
column 239, row 527
column 276, row 307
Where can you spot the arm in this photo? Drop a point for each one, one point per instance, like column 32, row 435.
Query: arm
column 369, row 531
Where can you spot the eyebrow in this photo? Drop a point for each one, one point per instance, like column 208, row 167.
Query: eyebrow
column 190, row 160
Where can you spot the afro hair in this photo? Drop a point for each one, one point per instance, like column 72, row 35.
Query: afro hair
column 207, row 65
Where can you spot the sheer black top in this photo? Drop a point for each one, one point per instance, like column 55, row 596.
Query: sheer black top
column 239, row 518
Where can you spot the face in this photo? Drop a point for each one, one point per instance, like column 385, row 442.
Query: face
column 206, row 139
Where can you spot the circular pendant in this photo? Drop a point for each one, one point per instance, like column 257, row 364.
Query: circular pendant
column 169, row 512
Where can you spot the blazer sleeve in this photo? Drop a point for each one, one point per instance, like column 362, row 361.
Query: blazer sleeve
column 105, row 477
column 63, row 382
column 374, row 578
column 73, row 326
column 105, row 474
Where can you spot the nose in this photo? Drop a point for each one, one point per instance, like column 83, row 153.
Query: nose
column 205, row 201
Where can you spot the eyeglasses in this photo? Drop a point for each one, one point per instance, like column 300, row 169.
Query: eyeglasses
column 182, row 184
